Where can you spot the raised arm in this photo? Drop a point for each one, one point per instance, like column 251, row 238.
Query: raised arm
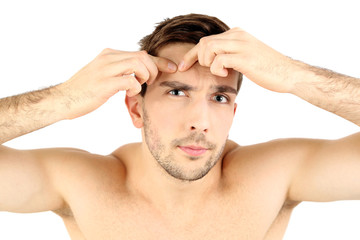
column 326, row 170
column 272, row 70
column 26, row 177
column 92, row 86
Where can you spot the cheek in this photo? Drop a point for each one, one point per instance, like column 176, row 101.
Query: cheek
column 164, row 118
column 223, row 124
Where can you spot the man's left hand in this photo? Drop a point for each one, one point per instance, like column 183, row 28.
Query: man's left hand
column 238, row 50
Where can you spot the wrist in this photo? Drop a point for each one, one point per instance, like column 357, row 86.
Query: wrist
column 49, row 108
column 62, row 101
column 301, row 78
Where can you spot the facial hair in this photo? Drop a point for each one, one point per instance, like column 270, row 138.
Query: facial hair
column 165, row 157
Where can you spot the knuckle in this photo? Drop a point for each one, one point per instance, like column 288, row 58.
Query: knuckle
column 138, row 68
column 236, row 29
column 238, row 33
column 211, row 44
column 135, row 62
column 128, row 81
column 204, row 40
column 208, row 42
column 220, row 60
column 103, row 57
column 106, row 51
column 142, row 54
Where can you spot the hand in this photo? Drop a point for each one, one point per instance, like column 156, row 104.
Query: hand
column 238, row 50
column 110, row 72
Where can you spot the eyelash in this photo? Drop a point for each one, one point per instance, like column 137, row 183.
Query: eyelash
column 172, row 92
column 220, row 95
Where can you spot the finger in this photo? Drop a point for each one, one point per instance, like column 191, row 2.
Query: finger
column 149, row 64
column 126, row 63
column 189, row 59
column 126, row 67
column 208, row 54
column 126, row 83
column 164, row 64
column 219, row 71
column 223, row 62
column 134, row 90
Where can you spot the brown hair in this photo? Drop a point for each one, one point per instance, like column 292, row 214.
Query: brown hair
column 182, row 29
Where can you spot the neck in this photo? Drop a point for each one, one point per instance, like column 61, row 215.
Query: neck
column 157, row 186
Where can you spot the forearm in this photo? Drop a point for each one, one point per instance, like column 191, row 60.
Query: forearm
column 87, row 90
column 28, row 112
column 334, row 92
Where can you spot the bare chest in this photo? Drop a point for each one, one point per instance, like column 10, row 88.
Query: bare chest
column 228, row 219
column 248, row 205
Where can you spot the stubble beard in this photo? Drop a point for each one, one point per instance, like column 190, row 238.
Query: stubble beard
column 166, row 157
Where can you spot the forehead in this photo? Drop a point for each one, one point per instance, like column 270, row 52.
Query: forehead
column 196, row 74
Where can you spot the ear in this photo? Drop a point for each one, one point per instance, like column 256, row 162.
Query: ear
column 235, row 107
column 133, row 105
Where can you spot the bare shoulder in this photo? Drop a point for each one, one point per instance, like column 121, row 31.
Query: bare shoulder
column 63, row 159
column 70, row 164
column 78, row 174
column 126, row 151
column 275, row 151
column 67, row 166
column 272, row 163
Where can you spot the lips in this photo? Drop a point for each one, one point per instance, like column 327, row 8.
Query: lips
column 194, row 150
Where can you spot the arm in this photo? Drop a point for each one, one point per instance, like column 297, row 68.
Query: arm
column 272, row 70
column 326, row 170
column 334, row 92
column 92, row 86
column 329, row 170
column 26, row 177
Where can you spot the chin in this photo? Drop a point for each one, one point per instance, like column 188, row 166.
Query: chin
column 188, row 172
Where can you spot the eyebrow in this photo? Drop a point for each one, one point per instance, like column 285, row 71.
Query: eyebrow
column 224, row 89
column 177, row 85
column 186, row 87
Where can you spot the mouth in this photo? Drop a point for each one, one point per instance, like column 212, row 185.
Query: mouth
column 194, row 151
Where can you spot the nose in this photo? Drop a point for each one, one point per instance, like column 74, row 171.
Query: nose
column 199, row 117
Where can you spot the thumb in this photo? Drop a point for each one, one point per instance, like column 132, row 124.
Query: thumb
column 164, row 64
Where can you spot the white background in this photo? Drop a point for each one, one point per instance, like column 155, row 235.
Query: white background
column 43, row 43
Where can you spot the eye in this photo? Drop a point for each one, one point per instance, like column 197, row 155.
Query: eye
column 176, row 92
column 220, row 99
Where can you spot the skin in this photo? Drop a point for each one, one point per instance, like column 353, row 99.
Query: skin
column 203, row 129
column 249, row 192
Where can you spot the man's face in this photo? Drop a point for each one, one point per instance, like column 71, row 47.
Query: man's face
column 187, row 117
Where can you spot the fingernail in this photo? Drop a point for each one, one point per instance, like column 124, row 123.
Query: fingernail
column 181, row 65
column 172, row 66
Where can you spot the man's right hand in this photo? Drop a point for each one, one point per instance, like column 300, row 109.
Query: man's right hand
column 110, row 72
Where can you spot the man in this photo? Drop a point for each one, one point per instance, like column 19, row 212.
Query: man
column 185, row 180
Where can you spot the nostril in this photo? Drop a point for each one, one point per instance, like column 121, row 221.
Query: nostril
column 194, row 128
